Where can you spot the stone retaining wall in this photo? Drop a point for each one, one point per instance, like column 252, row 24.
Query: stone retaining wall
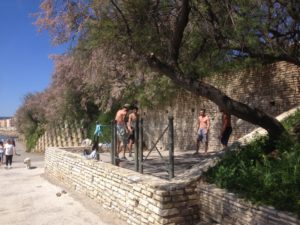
column 146, row 200
column 274, row 88
column 138, row 199
column 219, row 206
column 64, row 135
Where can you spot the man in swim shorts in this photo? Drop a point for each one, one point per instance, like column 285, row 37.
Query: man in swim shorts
column 203, row 128
column 122, row 132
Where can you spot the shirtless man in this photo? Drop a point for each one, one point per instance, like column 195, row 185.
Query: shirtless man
column 203, row 128
column 130, row 125
column 226, row 129
column 122, row 129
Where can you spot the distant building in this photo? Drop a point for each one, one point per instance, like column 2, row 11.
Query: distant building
column 6, row 122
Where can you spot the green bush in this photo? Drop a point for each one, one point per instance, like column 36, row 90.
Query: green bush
column 33, row 137
column 105, row 120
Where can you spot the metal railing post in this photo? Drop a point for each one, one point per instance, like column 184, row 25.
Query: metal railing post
column 112, row 152
column 171, row 147
column 136, row 145
column 141, row 127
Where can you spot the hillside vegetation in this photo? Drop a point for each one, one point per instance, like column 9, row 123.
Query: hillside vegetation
column 269, row 179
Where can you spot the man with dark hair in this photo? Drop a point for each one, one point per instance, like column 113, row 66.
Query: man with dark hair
column 203, row 124
column 133, row 116
column 226, row 129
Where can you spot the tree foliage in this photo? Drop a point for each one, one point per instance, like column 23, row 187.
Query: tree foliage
column 182, row 39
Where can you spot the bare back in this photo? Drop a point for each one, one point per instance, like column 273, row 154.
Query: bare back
column 120, row 117
column 132, row 118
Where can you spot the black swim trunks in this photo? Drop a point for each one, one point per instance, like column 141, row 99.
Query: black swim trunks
column 225, row 136
column 131, row 137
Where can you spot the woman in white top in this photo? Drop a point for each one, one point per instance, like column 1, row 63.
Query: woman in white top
column 9, row 152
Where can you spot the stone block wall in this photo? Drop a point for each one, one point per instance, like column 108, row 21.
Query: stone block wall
column 274, row 88
column 221, row 207
column 145, row 200
column 138, row 199
column 64, row 135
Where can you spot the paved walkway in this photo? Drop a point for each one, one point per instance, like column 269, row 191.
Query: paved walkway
column 154, row 165
column 27, row 198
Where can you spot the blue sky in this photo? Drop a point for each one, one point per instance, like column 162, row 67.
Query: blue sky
column 25, row 66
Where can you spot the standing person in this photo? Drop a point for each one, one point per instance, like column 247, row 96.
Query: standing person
column 1, row 152
column 203, row 128
column 10, row 150
column 226, row 129
column 122, row 130
column 133, row 116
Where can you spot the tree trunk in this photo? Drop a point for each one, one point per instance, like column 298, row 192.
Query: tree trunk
column 231, row 106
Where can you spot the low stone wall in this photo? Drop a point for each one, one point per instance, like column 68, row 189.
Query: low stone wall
column 143, row 199
column 138, row 199
column 219, row 206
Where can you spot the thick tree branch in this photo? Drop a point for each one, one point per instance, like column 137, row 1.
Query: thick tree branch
column 199, row 50
column 128, row 30
column 266, row 57
column 274, row 58
column 233, row 107
column 218, row 35
column 180, row 26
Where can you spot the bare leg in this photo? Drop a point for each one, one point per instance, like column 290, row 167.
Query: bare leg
column 130, row 144
column 197, row 147
column 206, row 147
column 119, row 148
column 124, row 147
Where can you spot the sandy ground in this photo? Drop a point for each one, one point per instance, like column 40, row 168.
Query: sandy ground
column 27, row 198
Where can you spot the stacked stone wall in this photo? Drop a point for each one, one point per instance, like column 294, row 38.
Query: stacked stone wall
column 274, row 88
column 145, row 200
column 64, row 135
column 219, row 206
column 138, row 199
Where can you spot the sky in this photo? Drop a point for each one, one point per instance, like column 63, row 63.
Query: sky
column 25, row 66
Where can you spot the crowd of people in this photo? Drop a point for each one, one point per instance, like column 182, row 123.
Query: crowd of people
column 7, row 150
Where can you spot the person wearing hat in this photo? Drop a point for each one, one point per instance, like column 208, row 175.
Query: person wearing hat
column 122, row 132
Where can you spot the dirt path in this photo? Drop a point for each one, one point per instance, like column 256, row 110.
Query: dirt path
column 29, row 199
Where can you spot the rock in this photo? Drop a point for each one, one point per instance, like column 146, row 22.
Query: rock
column 58, row 194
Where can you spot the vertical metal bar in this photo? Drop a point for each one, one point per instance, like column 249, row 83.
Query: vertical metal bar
column 136, row 145
column 141, row 167
column 116, row 149
column 171, row 147
column 112, row 152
